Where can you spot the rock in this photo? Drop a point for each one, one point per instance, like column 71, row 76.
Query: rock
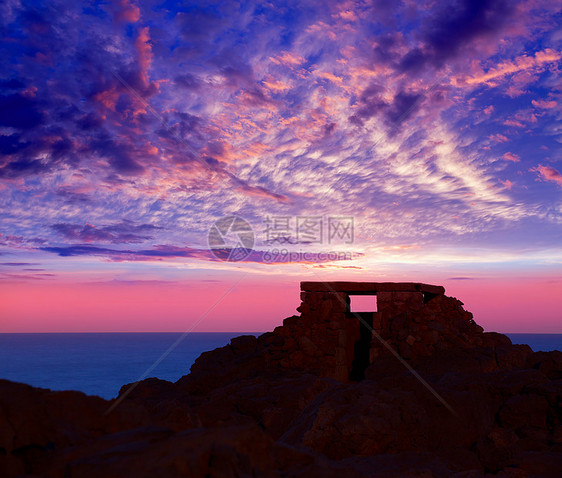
column 244, row 344
column 540, row 464
column 495, row 451
column 549, row 363
column 38, row 423
column 524, row 410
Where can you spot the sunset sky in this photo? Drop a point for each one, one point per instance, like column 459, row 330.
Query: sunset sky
column 127, row 129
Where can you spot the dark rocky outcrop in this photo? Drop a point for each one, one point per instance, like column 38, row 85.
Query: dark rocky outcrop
column 322, row 395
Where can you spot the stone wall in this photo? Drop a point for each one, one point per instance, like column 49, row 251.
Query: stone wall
column 329, row 340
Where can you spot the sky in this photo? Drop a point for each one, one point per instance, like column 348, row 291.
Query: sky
column 173, row 166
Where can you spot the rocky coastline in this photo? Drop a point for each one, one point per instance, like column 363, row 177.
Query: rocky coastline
column 414, row 389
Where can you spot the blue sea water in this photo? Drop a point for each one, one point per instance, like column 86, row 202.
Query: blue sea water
column 99, row 364
column 538, row 342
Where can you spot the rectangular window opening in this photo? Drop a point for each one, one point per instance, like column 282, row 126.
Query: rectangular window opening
column 363, row 303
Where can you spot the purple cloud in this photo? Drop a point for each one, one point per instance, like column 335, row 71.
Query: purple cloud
column 163, row 252
column 459, row 23
column 18, row 264
column 122, row 233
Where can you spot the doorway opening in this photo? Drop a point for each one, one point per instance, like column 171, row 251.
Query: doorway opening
column 362, row 308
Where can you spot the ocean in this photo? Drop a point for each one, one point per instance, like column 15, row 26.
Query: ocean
column 100, row 363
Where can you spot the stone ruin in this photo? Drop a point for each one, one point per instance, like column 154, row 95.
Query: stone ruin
column 330, row 340
column 418, row 321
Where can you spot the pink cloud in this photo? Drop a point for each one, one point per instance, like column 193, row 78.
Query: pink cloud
column 507, row 183
column 127, row 11
column 330, row 76
column 498, row 138
column 288, row 59
column 323, row 30
column 549, row 174
column 258, row 191
column 108, row 98
column 29, row 92
column 517, row 124
column 511, row 157
column 520, row 118
column 544, row 104
column 144, row 51
column 348, row 15
column 275, row 85
column 525, row 116
column 519, row 83
column 520, row 64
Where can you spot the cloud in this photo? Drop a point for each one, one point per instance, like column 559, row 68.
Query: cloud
column 122, row 233
column 188, row 81
column 498, row 138
column 458, row 24
column 144, row 52
column 121, row 155
column 166, row 252
column 126, row 11
column 511, row 157
column 259, row 191
column 289, row 59
column 522, row 63
column 453, row 28
column 510, row 122
column 507, row 183
column 25, row 277
column 548, row 173
column 157, row 253
column 330, row 77
column 16, row 241
column 17, row 264
column 544, row 104
column 403, row 105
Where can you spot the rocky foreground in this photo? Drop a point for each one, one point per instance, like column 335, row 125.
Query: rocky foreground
column 282, row 405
